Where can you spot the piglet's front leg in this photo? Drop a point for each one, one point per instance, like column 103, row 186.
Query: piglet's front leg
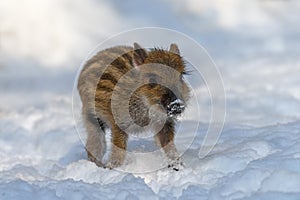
column 166, row 139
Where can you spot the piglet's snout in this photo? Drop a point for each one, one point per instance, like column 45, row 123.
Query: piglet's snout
column 176, row 107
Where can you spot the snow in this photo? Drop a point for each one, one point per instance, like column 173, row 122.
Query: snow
column 255, row 45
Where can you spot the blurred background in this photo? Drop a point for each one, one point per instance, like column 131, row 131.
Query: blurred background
column 255, row 44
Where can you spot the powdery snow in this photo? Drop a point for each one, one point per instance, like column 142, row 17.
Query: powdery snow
column 46, row 160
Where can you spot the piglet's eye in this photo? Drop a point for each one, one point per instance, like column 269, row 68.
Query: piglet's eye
column 153, row 79
column 152, row 82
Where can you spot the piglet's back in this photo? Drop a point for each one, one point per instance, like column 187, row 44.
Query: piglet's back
column 101, row 73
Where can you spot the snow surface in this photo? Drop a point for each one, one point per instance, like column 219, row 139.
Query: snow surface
column 256, row 47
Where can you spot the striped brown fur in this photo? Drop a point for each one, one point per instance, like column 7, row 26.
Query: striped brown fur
column 100, row 79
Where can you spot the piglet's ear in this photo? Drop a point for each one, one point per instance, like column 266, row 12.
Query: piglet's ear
column 139, row 54
column 174, row 49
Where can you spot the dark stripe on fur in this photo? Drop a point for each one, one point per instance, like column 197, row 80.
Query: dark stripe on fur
column 120, row 64
column 107, row 76
column 104, row 88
